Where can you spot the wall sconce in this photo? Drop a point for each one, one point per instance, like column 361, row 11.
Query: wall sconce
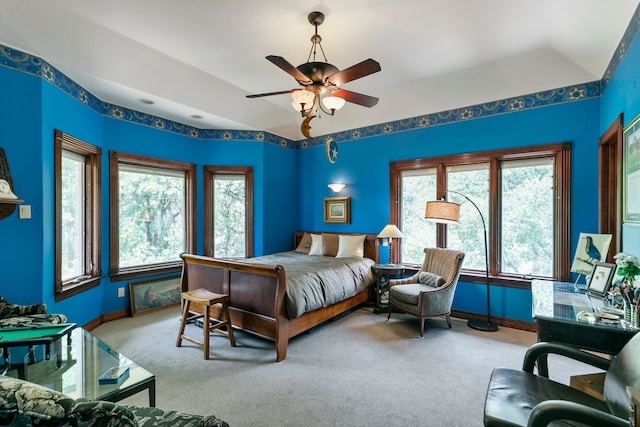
column 336, row 188
column 388, row 233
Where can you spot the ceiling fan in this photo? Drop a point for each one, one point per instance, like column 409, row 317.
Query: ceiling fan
column 322, row 80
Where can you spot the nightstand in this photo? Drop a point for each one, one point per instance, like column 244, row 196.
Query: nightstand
column 383, row 273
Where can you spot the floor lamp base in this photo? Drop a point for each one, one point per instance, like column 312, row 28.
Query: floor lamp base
column 482, row 325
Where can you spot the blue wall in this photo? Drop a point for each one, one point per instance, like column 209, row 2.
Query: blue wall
column 622, row 95
column 290, row 184
column 364, row 166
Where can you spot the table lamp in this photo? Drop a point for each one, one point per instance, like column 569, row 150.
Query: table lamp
column 388, row 233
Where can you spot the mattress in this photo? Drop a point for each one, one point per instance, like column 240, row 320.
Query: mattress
column 314, row 282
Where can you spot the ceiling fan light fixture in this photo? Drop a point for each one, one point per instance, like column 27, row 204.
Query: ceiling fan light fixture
column 333, row 103
column 320, row 79
column 301, row 98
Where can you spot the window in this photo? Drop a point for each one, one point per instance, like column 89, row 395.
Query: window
column 523, row 195
column 152, row 215
column 228, row 211
column 418, row 186
column 77, row 215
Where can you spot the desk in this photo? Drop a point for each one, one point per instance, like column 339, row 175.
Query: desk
column 84, row 359
column 555, row 306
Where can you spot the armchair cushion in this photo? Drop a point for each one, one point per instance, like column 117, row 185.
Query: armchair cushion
column 409, row 294
column 511, row 391
column 430, row 279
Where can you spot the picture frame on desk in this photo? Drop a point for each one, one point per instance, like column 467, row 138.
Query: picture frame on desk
column 601, row 278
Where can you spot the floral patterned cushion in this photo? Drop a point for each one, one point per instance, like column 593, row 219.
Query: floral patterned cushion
column 151, row 417
column 24, row 404
column 30, row 400
column 16, row 315
column 430, row 279
column 8, row 309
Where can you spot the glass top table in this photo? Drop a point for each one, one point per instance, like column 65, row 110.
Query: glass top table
column 567, row 315
column 75, row 366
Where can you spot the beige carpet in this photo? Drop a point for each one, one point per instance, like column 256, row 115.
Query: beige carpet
column 357, row 370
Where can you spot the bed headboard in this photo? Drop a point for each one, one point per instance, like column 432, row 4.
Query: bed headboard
column 370, row 242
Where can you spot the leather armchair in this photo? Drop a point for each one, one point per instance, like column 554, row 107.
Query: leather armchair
column 522, row 398
column 429, row 292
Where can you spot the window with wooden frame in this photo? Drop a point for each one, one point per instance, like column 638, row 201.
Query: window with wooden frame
column 228, row 211
column 524, row 197
column 152, row 215
column 77, row 215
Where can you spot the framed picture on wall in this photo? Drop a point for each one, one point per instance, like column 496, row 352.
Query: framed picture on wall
column 631, row 172
column 337, row 210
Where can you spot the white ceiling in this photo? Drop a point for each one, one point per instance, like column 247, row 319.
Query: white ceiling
column 202, row 57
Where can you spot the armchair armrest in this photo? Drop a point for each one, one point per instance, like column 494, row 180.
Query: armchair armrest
column 405, row 281
column 544, row 413
column 545, row 348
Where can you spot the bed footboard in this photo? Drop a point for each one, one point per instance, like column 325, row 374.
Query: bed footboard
column 256, row 292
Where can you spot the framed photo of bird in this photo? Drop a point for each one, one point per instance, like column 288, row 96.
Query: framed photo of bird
column 600, row 279
column 631, row 172
column 591, row 248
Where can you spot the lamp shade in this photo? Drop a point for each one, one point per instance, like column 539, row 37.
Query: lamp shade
column 301, row 96
column 442, row 212
column 336, row 188
column 333, row 102
column 390, row 231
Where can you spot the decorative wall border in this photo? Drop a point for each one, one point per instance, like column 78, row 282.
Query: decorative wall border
column 27, row 63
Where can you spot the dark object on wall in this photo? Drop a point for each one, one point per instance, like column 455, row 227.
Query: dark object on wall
column 7, row 206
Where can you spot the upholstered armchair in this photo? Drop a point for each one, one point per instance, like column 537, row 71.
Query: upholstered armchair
column 429, row 292
column 521, row 398
column 16, row 315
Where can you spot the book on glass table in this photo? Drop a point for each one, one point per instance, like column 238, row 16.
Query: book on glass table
column 114, row 375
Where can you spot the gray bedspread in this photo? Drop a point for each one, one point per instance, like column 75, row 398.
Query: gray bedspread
column 318, row 281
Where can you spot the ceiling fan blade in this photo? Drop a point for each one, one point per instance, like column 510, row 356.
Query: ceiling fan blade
column 364, row 68
column 287, row 67
column 355, row 97
column 281, row 92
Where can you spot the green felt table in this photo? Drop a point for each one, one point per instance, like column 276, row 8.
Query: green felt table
column 11, row 337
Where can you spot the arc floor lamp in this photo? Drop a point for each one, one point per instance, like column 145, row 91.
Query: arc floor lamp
column 444, row 212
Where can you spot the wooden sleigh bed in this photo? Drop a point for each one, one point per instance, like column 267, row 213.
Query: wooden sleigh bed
column 258, row 292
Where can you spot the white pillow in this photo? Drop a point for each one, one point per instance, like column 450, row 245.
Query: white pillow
column 350, row 246
column 316, row 245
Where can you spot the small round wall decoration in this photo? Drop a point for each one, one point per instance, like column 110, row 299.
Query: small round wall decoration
column 331, row 150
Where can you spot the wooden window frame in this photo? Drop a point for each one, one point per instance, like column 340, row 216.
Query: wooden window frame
column 610, row 162
column 189, row 169
column 562, row 173
column 209, row 172
column 92, row 220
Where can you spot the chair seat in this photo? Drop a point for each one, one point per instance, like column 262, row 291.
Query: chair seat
column 512, row 394
column 409, row 293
